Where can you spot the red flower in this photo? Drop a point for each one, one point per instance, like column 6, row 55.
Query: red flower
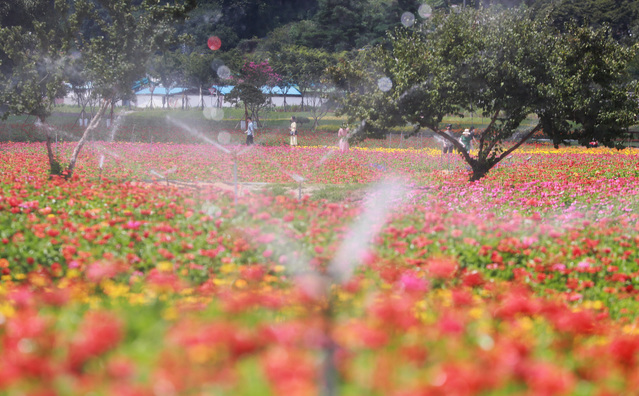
column 99, row 332
column 442, row 268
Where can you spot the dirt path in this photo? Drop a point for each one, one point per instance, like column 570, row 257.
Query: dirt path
column 244, row 188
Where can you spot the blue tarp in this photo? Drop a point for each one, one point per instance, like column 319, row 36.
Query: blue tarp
column 290, row 91
column 161, row 91
column 141, row 83
column 222, row 89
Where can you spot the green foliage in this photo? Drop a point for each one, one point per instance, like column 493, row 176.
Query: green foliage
column 301, row 66
column 197, row 71
column 129, row 35
column 236, row 20
column 619, row 15
column 31, row 63
column 250, row 95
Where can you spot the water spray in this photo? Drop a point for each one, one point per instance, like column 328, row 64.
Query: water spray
column 381, row 200
column 101, row 164
column 164, row 175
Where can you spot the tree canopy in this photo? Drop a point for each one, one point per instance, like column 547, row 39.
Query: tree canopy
column 504, row 65
column 105, row 42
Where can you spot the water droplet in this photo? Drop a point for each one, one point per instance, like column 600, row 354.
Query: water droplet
column 214, row 43
column 408, row 19
column 223, row 72
column 486, row 342
column 439, row 379
column 213, row 113
column 211, row 210
column 217, row 114
column 224, row 137
column 384, row 84
column 425, row 11
column 25, row 345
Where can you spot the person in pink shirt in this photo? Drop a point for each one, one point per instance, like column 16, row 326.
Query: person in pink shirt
column 343, row 139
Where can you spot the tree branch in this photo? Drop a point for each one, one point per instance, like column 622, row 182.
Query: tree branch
column 483, row 135
column 460, row 147
column 521, row 141
column 92, row 125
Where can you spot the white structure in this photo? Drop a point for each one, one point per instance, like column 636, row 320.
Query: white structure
column 179, row 97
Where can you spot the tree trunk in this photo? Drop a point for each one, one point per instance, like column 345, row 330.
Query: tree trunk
column 111, row 115
column 201, row 98
column 54, row 164
column 480, row 169
column 92, row 125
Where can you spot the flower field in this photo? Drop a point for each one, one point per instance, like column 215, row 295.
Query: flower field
column 119, row 283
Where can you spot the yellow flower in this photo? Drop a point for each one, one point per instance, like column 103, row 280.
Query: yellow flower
column 114, row 290
column 631, row 329
column 221, row 282
column 476, row 313
column 227, row 268
column 137, row 299
column 186, row 291
column 525, row 323
column 7, row 310
column 170, row 313
column 165, row 266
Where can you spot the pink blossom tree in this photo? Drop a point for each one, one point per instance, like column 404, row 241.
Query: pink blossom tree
column 252, row 80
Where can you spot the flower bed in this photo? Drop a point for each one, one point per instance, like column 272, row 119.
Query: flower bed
column 522, row 283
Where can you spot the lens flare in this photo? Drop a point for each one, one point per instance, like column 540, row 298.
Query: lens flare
column 223, row 72
column 213, row 113
column 425, row 11
column 408, row 19
column 224, row 137
column 214, row 43
column 384, row 84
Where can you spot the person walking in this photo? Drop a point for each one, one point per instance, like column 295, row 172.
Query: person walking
column 448, row 146
column 466, row 139
column 250, row 131
column 343, row 139
column 293, row 131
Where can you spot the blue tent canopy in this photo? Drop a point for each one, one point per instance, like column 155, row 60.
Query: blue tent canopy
column 139, row 84
column 159, row 90
column 289, row 91
column 222, row 89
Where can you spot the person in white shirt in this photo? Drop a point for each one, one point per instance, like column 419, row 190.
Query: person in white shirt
column 293, row 131
column 250, row 131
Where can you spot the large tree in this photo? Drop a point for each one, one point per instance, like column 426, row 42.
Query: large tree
column 302, row 66
column 33, row 62
column 198, row 70
column 113, row 39
column 251, row 81
column 506, row 66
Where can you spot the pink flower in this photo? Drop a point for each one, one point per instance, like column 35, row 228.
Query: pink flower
column 413, row 284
